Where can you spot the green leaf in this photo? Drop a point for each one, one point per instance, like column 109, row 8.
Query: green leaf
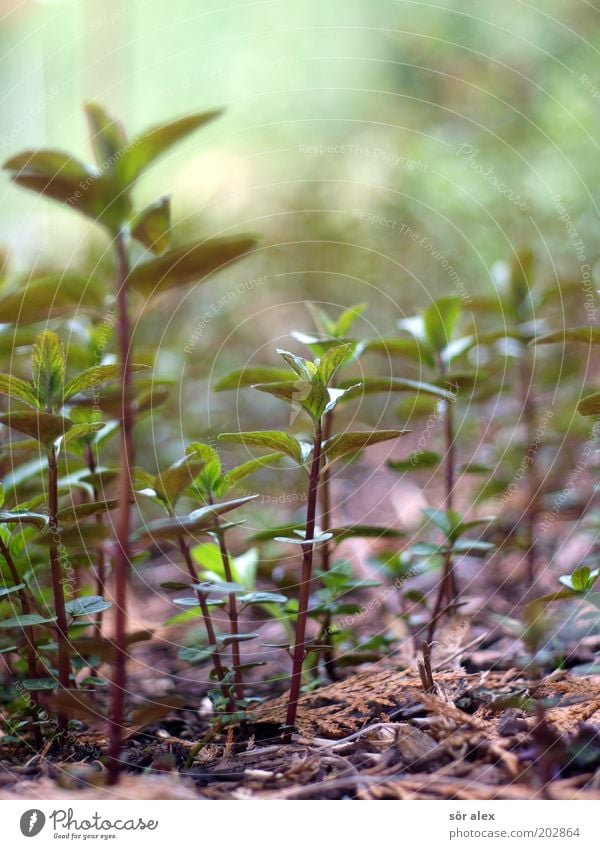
column 354, row 441
column 188, row 264
column 23, row 517
column 149, row 145
column 345, row 321
column 96, row 376
column 87, row 605
column 152, row 226
column 409, row 349
column 14, row 387
column 69, row 515
column 199, row 521
column 26, row 621
column 472, row 546
column 590, row 405
column 66, row 180
column 331, row 361
column 415, row 462
column 226, row 639
column 304, row 368
column 318, row 538
column 439, row 321
column 48, row 368
column 44, row 427
column 4, row 591
column 85, row 431
column 250, row 376
column 216, row 588
column 365, row 531
column 397, row 384
column 311, row 396
column 588, row 335
column 79, row 539
column 244, row 470
column 171, row 483
column 107, row 134
column 276, row 440
column 50, row 296
column 262, row 598
column 35, row 684
column 195, row 654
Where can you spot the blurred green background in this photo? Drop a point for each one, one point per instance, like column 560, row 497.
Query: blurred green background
column 387, row 152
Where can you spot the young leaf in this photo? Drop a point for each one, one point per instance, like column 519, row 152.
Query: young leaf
column 26, row 621
column 415, row 462
column 276, row 440
column 66, row 180
column 4, row 591
column 14, row 387
column 250, row 376
column 589, row 335
column 52, row 295
column 354, row 441
column 48, row 369
column 439, row 321
column 188, row 264
column 44, row 427
column 194, row 654
column 69, row 515
column 262, row 598
column 218, row 588
column 311, row 396
column 344, row 323
column 87, row 605
column 199, row 521
column 170, row 484
column 23, row 517
column 96, row 376
column 239, row 473
column 151, row 227
column 330, row 363
column 151, row 144
column 107, row 134
column 369, row 385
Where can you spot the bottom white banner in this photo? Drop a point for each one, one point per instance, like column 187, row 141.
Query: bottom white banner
column 38, row 824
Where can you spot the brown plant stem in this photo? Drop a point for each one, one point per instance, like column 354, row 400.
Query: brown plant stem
column 100, row 563
column 123, row 520
column 329, row 663
column 205, row 610
column 528, row 407
column 299, row 651
column 232, row 611
column 448, row 588
column 62, row 628
column 28, row 632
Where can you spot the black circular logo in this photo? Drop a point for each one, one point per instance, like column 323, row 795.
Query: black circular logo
column 32, row 822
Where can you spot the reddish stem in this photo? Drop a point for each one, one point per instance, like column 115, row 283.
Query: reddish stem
column 58, row 594
column 123, row 520
column 299, row 651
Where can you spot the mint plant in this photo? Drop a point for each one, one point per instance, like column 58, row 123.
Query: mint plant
column 309, row 387
column 104, row 194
